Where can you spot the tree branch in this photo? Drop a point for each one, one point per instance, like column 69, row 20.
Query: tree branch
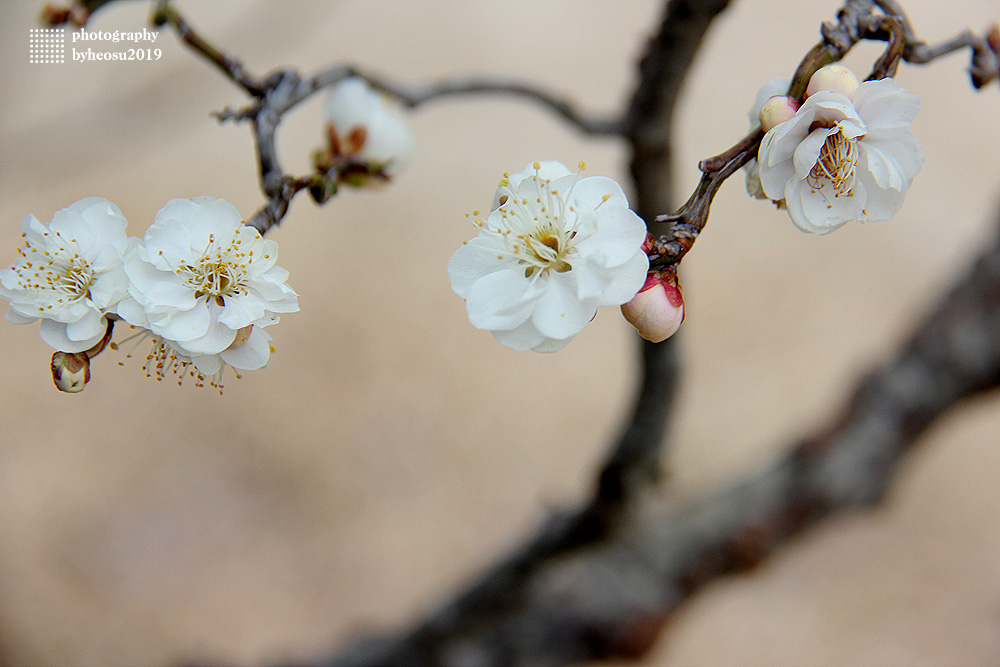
column 283, row 89
column 608, row 595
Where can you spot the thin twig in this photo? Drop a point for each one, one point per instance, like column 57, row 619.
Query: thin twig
column 231, row 67
column 281, row 90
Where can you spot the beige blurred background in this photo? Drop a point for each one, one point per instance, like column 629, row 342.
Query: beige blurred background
column 392, row 451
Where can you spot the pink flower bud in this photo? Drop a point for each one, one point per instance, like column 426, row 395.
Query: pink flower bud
column 658, row 309
column 777, row 109
column 70, row 371
column 835, row 78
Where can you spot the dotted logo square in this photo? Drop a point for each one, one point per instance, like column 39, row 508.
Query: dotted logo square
column 46, row 46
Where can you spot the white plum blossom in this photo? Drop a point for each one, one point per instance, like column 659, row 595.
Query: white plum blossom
column 366, row 130
column 69, row 274
column 204, row 284
column 554, row 248
column 839, row 160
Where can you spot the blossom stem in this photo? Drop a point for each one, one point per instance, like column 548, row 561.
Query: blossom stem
column 103, row 343
column 164, row 13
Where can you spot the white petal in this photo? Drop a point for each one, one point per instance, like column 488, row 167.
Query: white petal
column 278, row 296
column 265, row 254
column 521, row 338
column 547, row 169
column 831, row 107
column 33, row 229
column 167, row 243
column 778, row 144
column 589, row 193
column 17, row 317
column 251, row 355
column 807, row 152
column 550, row 345
column 183, row 325
column 619, row 233
column 775, row 166
column 626, row 281
column 881, row 168
column 558, row 312
column 883, row 104
column 881, row 203
column 901, row 147
column 154, row 288
column 389, row 141
column 217, row 338
column 109, row 288
column 129, row 310
column 106, row 220
column 214, row 217
column 473, row 260
column 91, row 325
column 501, row 300
column 351, row 103
column 207, row 364
column 54, row 333
column 241, row 310
column 813, row 212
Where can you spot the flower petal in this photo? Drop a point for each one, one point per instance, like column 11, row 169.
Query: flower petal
column 251, row 355
column 501, row 300
column 558, row 312
column 594, row 191
column 619, row 232
column 813, row 211
column 900, row 147
column 883, row 104
column 881, row 203
column 473, row 260
column 54, row 333
column 521, row 338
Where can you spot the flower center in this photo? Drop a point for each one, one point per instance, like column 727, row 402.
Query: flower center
column 540, row 231
column 837, row 164
column 57, row 274
column 217, row 274
column 547, row 247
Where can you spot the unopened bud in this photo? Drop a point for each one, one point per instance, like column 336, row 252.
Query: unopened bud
column 777, row 110
column 70, row 371
column 658, row 309
column 835, row 78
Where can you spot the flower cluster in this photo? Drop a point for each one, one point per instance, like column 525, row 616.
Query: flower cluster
column 553, row 249
column 845, row 154
column 201, row 286
column 368, row 142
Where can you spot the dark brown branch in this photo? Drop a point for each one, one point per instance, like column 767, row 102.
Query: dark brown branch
column 607, row 594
